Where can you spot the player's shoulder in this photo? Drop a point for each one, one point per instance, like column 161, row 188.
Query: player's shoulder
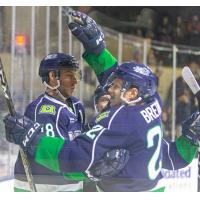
column 60, row 108
column 106, row 116
column 159, row 99
column 78, row 105
column 76, row 101
column 30, row 109
column 46, row 104
column 132, row 112
column 34, row 102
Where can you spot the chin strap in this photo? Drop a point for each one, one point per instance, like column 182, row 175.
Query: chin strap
column 60, row 95
column 129, row 102
column 55, row 88
column 50, row 87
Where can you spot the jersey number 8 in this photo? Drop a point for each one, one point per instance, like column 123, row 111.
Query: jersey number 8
column 49, row 130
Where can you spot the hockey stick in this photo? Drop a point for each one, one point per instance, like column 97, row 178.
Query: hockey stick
column 7, row 95
column 192, row 83
column 66, row 11
column 194, row 86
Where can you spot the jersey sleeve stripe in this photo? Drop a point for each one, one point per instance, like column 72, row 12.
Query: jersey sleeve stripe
column 57, row 118
column 96, row 139
column 37, row 108
column 114, row 116
column 168, row 153
column 81, row 115
column 93, row 149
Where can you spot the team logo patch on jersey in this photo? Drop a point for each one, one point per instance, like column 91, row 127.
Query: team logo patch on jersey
column 102, row 116
column 47, row 109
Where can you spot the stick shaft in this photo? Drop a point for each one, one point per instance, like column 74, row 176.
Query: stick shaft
column 189, row 78
column 12, row 111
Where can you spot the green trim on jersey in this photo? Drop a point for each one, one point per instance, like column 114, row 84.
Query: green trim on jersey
column 162, row 189
column 100, row 63
column 186, row 150
column 20, row 190
column 75, row 176
column 47, row 152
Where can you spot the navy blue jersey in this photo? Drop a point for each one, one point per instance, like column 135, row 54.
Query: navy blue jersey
column 142, row 129
column 59, row 120
column 136, row 128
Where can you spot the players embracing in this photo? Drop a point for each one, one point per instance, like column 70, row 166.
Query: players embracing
column 132, row 124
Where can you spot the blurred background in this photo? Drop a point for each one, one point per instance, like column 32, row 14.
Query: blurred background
column 165, row 38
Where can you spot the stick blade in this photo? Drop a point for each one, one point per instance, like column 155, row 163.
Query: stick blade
column 190, row 80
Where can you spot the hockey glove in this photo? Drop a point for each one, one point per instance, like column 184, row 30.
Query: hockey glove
column 87, row 32
column 111, row 164
column 21, row 130
column 191, row 128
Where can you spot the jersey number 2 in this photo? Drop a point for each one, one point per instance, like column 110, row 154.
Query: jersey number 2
column 155, row 162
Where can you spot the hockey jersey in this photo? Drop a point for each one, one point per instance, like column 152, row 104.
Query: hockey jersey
column 135, row 128
column 59, row 120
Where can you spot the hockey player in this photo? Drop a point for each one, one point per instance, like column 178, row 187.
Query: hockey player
column 84, row 33
column 134, row 125
column 61, row 114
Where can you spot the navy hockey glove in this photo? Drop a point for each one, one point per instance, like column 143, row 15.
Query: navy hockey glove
column 21, row 130
column 191, row 128
column 87, row 32
column 111, row 164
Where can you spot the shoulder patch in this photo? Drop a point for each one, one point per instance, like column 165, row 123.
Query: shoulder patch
column 47, row 109
column 102, row 116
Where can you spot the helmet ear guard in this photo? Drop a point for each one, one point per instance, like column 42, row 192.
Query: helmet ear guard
column 46, row 78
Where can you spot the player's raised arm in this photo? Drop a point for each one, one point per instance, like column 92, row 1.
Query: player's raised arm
column 85, row 29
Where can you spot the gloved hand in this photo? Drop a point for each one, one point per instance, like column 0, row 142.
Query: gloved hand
column 87, row 32
column 21, row 130
column 191, row 128
column 110, row 165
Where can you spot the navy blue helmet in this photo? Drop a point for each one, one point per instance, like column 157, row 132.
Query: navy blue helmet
column 135, row 75
column 99, row 92
column 55, row 62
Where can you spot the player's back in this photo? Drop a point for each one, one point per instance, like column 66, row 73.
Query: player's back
column 141, row 127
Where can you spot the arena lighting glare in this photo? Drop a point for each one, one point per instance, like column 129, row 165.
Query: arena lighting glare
column 20, row 40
